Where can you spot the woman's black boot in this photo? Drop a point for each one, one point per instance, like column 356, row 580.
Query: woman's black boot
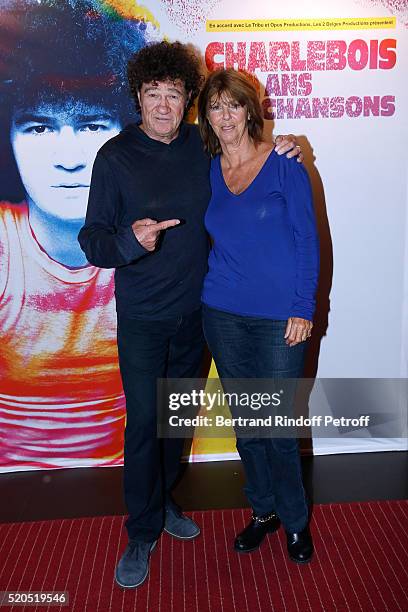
column 251, row 537
column 300, row 546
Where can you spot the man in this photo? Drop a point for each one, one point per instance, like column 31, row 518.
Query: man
column 62, row 94
column 148, row 196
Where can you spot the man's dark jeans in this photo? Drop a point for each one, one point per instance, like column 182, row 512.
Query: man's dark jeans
column 250, row 347
column 149, row 350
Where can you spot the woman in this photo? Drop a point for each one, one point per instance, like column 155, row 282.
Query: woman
column 259, row 291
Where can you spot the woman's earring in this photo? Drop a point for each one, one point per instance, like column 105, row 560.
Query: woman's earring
column 249, row 117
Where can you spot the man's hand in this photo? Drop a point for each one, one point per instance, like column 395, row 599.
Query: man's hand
column 147, row 231
column 297, row 330
column 288, row 144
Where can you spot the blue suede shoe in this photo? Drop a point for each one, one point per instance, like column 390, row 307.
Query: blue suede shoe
column 133, row 567
column 180, row 526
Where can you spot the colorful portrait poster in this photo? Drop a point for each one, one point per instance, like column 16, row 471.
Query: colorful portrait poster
column 63, row 94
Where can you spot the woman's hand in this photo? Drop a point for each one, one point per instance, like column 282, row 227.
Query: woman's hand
column 297, row 330
column 288, row 144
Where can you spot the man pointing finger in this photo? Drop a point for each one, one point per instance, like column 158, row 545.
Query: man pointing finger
column 147, row 231
column 144, row 182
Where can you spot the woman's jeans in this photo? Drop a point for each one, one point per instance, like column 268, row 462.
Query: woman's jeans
column 250, row 347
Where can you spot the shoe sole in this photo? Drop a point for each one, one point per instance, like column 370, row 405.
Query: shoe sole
column 134, row 586
column 248, row 550
column 182, row 537
column 299, row 561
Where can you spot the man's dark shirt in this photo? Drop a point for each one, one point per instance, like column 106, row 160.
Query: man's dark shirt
column 135, row 177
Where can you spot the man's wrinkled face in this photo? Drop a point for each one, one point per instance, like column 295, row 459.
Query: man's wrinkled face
column 55, row 147
column 162, row 106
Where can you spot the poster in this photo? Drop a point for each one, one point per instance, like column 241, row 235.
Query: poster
column 331, row 74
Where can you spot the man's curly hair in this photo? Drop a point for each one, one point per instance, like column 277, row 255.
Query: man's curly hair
column 165, row 61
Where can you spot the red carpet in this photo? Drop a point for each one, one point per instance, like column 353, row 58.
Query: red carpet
column 361, row 563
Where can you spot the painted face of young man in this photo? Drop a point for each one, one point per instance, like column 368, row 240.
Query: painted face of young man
column 55, row 147
column 162, row 106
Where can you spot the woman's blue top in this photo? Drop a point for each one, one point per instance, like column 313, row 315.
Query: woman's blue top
column 265, row 257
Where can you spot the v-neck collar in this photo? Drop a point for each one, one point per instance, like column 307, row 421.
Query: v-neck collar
column 248, row 187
